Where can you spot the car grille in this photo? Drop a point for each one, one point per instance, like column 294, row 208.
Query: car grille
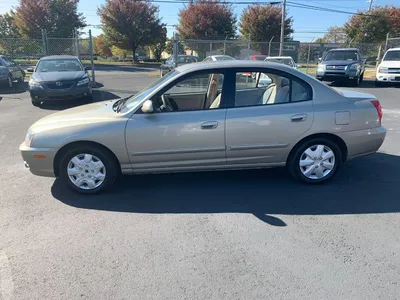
column 59, row 85
column 394, row 70
column 336, row 68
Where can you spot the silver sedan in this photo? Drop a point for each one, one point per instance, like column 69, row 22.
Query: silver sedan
column 208, row 117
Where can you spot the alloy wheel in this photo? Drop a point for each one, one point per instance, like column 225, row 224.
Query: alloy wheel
column 317, row 162
column 86, row 171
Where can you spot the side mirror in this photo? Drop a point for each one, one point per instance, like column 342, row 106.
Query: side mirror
column 147, row 107
column 320, row 59
column 299, row 66
column 88, row 68
column 31, row 70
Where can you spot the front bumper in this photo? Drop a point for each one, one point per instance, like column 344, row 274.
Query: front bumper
column 40, row 161
column 387, row 77
column 337, row 76
column 62, row 94
column 363, row 142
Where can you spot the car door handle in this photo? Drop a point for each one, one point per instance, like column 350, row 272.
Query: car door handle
column 299, row 118
column 209, row 125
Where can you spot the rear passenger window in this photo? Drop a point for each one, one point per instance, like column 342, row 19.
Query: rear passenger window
column 261, row 88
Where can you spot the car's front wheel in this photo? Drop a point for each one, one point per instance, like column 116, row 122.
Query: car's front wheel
column 35, row 103
column 88, row 169
column 315, row 161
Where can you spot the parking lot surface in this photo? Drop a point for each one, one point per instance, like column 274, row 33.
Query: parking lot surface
column 212, row 235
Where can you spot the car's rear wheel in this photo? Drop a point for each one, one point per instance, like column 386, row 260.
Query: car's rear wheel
column 88, row 170
column 315, row 161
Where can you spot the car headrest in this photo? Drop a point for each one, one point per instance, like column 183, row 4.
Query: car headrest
column 284, row 82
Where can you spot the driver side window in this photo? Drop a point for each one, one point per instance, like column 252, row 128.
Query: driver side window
column 197, row 92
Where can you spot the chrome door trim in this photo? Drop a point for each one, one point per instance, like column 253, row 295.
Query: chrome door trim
column 178, row 151
column 257, row 146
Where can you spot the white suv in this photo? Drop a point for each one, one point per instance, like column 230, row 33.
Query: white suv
column 388, row 70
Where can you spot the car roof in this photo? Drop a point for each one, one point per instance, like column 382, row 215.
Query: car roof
column 229, row 64
column 394, row 49
column 59, row 57
column 343, row 49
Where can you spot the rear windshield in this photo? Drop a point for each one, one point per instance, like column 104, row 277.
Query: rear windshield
column 187, row 59
column 224, row 58
column 285, row 61
column 341, row 55
column 392, row 55
column 59, row 65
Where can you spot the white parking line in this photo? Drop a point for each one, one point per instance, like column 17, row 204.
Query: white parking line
column 6, row 280
column 391, row 111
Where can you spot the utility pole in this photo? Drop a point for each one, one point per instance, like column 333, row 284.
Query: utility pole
column 370, row 4
column 282, row 27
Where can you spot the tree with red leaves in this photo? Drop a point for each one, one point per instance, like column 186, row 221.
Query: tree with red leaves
column 129, row 24
column 261, row 23
column 58, row 17
column 372, row 26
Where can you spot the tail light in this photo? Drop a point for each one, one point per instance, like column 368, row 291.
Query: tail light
column 378, row 108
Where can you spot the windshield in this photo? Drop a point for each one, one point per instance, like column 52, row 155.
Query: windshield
column 341, row 55
column 136, row 99
column 392, row 55
column 224, row 58
column 59, row 65
column 285, row 61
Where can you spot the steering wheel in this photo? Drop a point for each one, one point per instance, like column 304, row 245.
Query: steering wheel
column 168, row 105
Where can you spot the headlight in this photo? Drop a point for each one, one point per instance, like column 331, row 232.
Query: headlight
column 83, row 81
column 321, row 68
column 29, row 138
column 354, row 67
column 383, row 70
column 35, row 84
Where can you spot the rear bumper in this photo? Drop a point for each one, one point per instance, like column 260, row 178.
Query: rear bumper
column 336, row 76
column 362, row 142
column 54, row 95
column 40, row 161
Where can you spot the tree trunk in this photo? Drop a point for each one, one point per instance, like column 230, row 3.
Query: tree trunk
column 135, row 59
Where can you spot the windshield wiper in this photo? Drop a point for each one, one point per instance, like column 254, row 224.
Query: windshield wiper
column 117, row 106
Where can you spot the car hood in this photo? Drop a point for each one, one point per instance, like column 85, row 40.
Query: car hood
column 353, row 95
column 338, row 62
column 99, row 112
column 390, row 64
column 57, row 76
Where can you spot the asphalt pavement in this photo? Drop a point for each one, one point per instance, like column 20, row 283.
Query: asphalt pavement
column 211, row 235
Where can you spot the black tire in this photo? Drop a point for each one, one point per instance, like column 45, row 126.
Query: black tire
column 294, row 160
column 356, row 82
column 362, row 77
column 108, row 160
column 36, row 103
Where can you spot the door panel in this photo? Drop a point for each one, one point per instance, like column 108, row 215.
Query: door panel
column 185, row 101
column 176, row 140
column 264, row 134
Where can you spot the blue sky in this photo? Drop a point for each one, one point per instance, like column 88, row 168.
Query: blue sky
column 308, row 24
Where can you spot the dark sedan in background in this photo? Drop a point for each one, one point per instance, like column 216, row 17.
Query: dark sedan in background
column 182, row 60
column 59, row 78
column 10, row 71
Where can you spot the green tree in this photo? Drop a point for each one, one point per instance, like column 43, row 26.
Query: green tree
column 372, row 26
column 169, row 47
column 102, row 46
column 8, row 32
column 129, row 24
column 159, row 45
column 335, row 34
column 58, row 17
column 262, row 23
column 206, row 20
